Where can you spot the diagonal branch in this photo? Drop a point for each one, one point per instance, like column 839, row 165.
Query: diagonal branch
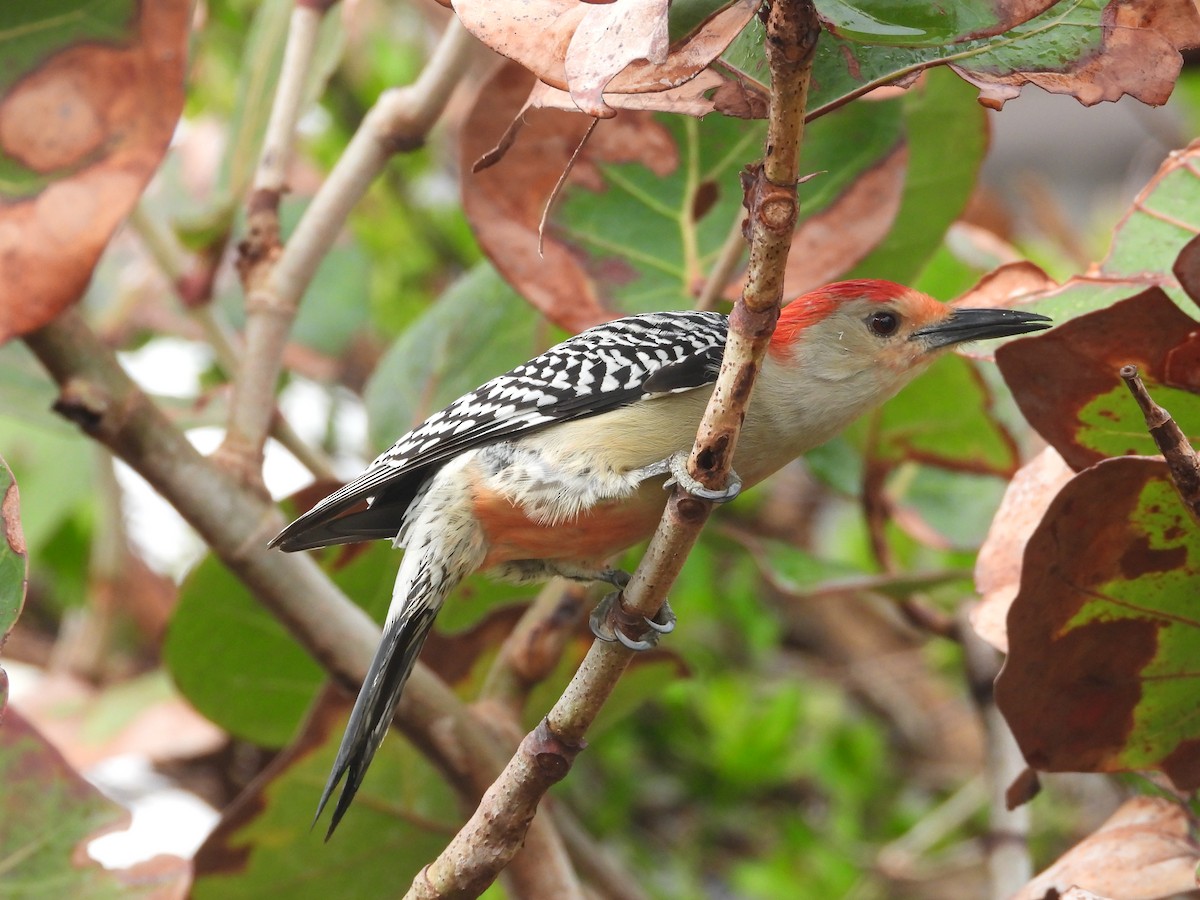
column 497, row 829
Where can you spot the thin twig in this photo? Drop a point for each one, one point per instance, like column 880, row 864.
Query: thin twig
column 1182, row 460
column 496, row 829
column 898, row 858
column 164, row 248
column 299, row 50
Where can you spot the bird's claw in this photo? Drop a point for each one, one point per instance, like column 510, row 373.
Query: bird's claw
column 618, row 578
column 609, row 622
column 677, row 465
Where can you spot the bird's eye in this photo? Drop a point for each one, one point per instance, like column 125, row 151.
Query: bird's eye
column 883, row 324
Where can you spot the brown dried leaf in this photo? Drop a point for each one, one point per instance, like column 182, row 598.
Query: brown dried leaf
column 998, row 567
column 593, row 49
column 1023, row 789
column 728, row 97
column 1102, row 637
column 1144, row 851
column 104, row 112
column 505, row 203
column 1006, row 287
column 609, row 38
column 1187, row 268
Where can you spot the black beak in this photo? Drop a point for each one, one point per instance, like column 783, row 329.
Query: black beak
column 979, row 324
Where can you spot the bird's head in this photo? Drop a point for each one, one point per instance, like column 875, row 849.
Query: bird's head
column 851, row 345
column 843, row 330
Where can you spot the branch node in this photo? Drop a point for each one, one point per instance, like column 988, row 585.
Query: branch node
column 261, row 243
column 552, row 754
column 83, row 403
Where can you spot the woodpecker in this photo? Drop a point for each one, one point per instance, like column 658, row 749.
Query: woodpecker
column 556, row 466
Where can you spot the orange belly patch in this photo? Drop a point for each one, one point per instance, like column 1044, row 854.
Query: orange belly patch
column 592, row 536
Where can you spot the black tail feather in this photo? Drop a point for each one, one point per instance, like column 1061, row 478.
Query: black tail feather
column 372, row 714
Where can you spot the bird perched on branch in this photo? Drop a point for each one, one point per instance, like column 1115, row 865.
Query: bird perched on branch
column 556, row 466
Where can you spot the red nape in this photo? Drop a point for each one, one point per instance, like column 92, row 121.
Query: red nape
column 814, row 306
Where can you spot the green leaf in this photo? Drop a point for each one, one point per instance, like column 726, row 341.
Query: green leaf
column 54, row 466
column 939, row 114
column 885, row 23
column 14, row 561
column 26, row 394
column 644, row 230
column 336, row 305
column 237, row 664
column 477, row 330
column 1070, row 45
column 240, row 668
column 234, row 662
column 1163, row 218
column 943, row 418
column 49, row 812
column 1111, row 424
column 650, row 236
column 1103, row 635
column 403, row 815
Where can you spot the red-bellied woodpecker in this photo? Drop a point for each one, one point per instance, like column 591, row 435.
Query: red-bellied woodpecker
column 559, row 464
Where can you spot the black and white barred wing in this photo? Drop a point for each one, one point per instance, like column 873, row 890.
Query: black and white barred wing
column 598, row 370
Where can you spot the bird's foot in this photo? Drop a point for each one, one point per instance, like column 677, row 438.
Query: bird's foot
column 609, row 622
column 677, row 465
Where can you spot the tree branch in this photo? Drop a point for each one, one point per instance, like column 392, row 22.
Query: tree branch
column 496, row 830
column 236, row 522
